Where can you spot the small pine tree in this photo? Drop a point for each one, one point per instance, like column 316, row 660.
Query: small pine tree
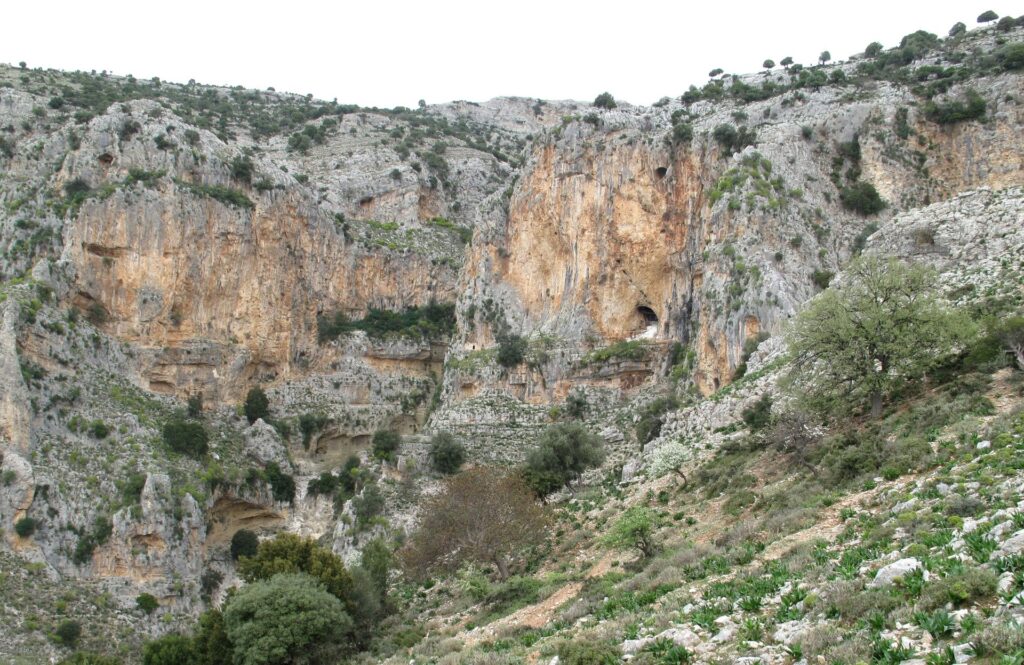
column 987, row 17
column 824, row 57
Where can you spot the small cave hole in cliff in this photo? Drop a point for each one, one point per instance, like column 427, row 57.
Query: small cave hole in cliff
column 661, row 171
column 106, row 159
column 648, row 321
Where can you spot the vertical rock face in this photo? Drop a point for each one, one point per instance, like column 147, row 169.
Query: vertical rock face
column 220, row 297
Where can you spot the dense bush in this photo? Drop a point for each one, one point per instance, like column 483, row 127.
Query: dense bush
column 169, row 650
column 758, row 415
column 635, row 529
column 187, row 437
column 244, row 543
column 862, row 198
column 282, row 485
column 25, row 527
column 563, row 453
column 68, row 632
column 146, row 602
column 256, row 405
column 732, row 139
column 385, row 444
column 971, row 107
column 1011, row 56
column 604, row 101
column 582, row 652
column 289, row 618
column 432, row 321
column 242, row 169
column 446, row 454
column 511, row 350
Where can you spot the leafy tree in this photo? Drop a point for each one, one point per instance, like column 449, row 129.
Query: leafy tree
column 604, row 101
column 288, row 553
column 446, row 454
column 717, row 71
column 635, row 529
column 768, row 64
column 481, row 516
column 786, row 62
column 169, row 650
column 824, row 57
column 256, row 405
column 244, row 543
column 873, row 49
column 863, row 340
column 289, row 618
column 563, row 453
column 187, row 437
column 385, row 444
column 987, row 17
column 958, row 29
column 377, row 560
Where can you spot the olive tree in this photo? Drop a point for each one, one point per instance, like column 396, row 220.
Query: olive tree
column 880, row 328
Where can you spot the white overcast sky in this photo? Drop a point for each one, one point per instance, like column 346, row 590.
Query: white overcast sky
column 392, row 52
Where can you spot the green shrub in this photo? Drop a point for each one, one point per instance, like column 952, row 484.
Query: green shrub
column 282, row 485
column 971, row 107
column 99, row 429
column 385, row 444
column 242, row 169
column 446, row 454
column 186, row 437
column 862, row 198
column 169, row 650
column 369, row 504
column 511, row 350
column 758, row 415
column 582, row 652
column 25, row 527
column 325, row 484
column 732, row 139
column 225, row 195
column 987, row 16
column 431, row 321
column 146, row 602
column 256, row 405
column 1011, row 56
column 68, row 632
column 244, row 543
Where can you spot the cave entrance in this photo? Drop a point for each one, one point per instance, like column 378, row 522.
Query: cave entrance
column 661, row 171
column 648, row 320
